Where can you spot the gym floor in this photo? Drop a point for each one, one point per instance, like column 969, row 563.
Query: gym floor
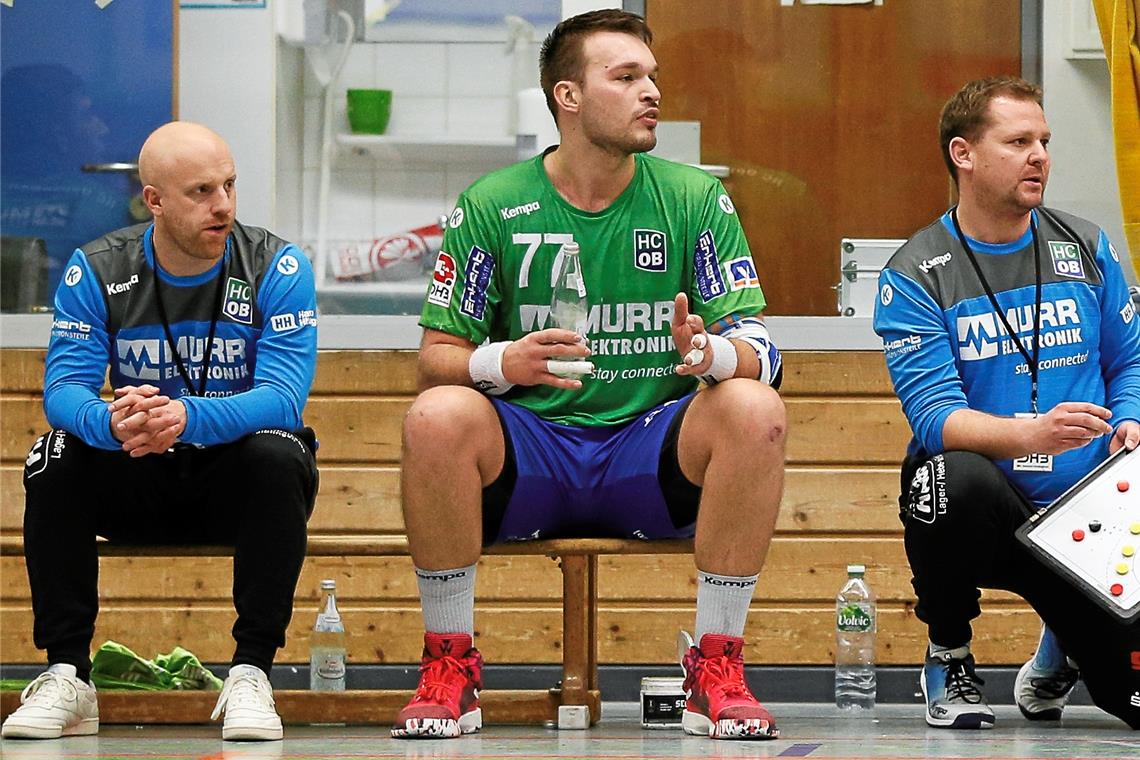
column 814, row 731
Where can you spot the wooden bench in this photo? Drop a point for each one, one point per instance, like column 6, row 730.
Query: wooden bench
column 846, row 437
column 578, row 687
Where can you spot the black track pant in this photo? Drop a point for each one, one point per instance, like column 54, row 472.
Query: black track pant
column 960, row 513
column 254, row 494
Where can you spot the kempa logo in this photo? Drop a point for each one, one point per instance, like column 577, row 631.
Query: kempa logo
column 937, row 261
column 442, row 577
column 115, row 288
column 526, row 208
column 708, row 579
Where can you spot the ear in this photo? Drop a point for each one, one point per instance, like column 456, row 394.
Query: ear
column 961, row 154
column 153, row 200
column 568, row 96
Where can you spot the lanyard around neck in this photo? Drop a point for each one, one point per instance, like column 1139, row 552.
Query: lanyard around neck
column 208, row 350
column 1032, row 361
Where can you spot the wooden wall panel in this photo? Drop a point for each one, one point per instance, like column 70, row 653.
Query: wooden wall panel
column 532, row 633
column 827, row 117
column 840, row 506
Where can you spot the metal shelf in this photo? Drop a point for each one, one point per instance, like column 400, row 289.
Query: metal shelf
column 434, row 149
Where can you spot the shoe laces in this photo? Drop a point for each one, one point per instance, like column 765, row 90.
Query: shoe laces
column 962, row 682
column 441, row 678
column 1054, row 685
column 722, row 674
column 244, row 689
column 49, row 688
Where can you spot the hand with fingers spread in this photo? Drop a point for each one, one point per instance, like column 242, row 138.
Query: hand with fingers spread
column 1127, row 435
column 145, row 421
column 1069, row 425
column 528, row 360
column 691, row 339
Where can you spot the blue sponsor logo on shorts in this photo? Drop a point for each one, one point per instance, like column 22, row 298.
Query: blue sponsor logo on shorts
column 710, row 281
column 477, row 276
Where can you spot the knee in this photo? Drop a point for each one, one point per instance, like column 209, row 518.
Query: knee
column 56, row 457
column 748, row 413
column 450, row 418
column 951, row 489
column 277, row 459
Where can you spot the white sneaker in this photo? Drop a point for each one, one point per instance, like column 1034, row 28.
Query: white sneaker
column 56, row 704
column 247, row 699
column 1045, row 683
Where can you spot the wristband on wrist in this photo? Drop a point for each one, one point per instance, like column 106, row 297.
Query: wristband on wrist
column 724, row 359
column 486, row 369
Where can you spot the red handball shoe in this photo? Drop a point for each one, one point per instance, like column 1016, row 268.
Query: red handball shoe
column 446, row 703
column 720, row 705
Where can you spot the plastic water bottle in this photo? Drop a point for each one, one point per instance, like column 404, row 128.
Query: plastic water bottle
column 327, row 654
column 855, row 624
column 569, row 309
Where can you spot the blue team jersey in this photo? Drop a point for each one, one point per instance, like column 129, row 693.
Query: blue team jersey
column 107, row 318
column 947, row 349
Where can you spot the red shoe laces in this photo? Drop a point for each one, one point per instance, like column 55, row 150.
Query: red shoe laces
column 723, row 674
column 441, row 680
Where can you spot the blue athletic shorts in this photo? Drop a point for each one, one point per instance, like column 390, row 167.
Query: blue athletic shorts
column 588, row 482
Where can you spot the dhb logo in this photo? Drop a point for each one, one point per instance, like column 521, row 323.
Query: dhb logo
column 238, row 304
column 650, row 248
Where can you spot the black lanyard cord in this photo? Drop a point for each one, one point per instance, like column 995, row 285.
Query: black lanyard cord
column 1031, row 361
column 208, row 350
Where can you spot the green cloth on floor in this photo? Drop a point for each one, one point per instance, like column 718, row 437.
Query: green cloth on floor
column 117, row 667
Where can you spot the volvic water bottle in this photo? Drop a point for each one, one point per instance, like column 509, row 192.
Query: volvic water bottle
column 569, row 309
column 855, row 622
column 327, row 654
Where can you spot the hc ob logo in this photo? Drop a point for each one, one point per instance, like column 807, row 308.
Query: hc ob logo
column 238, row 304
column 649, row 250
column 1066, row 259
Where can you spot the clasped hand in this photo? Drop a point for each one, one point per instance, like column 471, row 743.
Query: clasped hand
column 145, row 421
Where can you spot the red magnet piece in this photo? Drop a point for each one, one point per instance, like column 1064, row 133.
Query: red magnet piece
column 1122, row 486
column 1078, row 535
column 1116, row 589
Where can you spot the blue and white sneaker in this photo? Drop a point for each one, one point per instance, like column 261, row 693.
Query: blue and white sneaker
column 1045, row 683
column 950, row 687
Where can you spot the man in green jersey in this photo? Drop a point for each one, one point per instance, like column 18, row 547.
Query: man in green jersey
column 499, row 448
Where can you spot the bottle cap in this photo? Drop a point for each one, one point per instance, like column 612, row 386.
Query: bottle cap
column 328, row 584
column 856, row 570
column 570, row 248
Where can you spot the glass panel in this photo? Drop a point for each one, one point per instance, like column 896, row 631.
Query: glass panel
column 72, row 127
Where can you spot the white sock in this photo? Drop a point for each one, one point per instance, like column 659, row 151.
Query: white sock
column 448, row 599
column 962, row 650
column 722, row 603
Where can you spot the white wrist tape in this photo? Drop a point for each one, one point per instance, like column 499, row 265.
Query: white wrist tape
column 723, row 359
column 752, row 332
column 486, row 368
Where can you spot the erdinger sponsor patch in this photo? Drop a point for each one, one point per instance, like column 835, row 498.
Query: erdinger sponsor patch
column 710, row 282
column 442, row 280
column 476, row 279
column 742, row 274
column 1066, row 259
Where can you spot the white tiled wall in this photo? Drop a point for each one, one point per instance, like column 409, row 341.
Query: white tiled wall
column 456, row 89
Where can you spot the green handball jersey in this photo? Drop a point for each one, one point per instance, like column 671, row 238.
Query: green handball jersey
column 673, row 230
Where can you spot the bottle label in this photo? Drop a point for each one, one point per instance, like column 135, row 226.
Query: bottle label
column 856, row 617
column 332, row 668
